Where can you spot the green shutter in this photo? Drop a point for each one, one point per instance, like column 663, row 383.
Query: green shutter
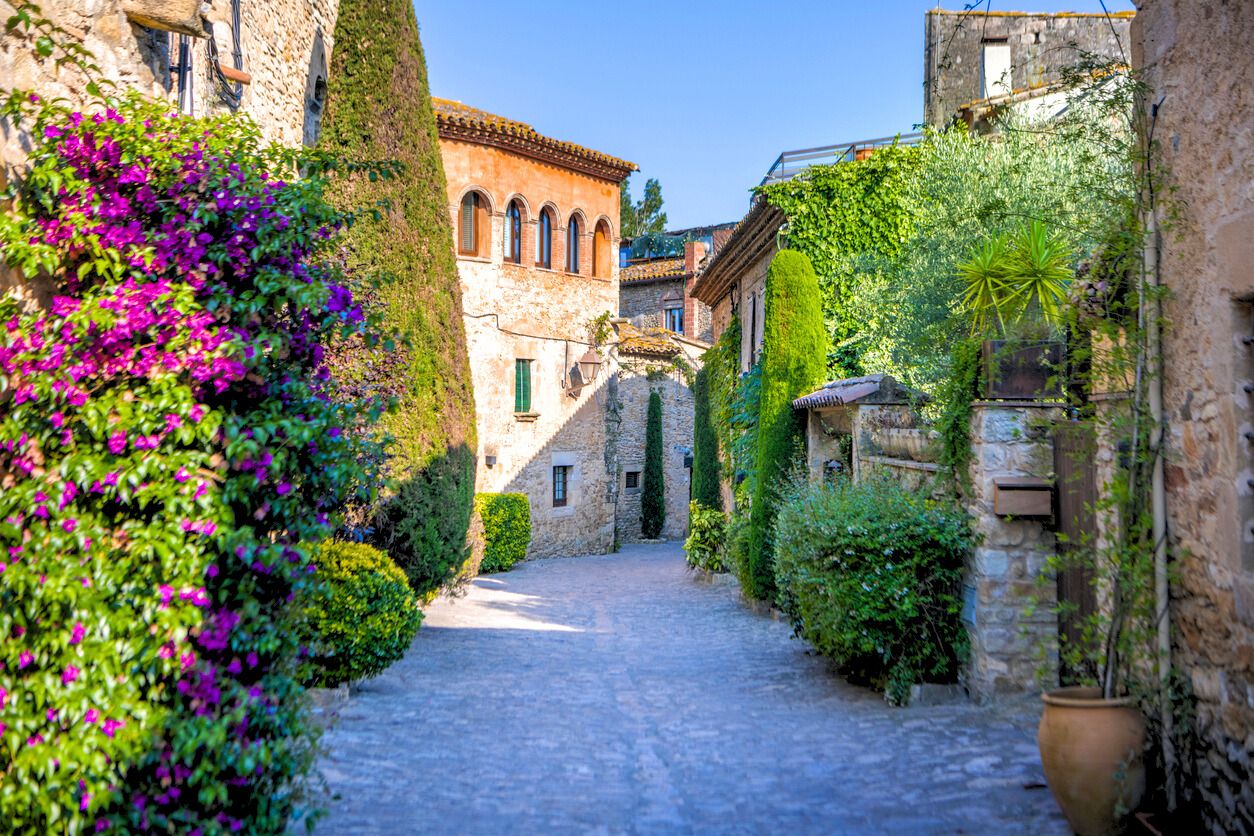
column 522, row 385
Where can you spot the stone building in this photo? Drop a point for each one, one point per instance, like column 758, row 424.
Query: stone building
column 971, row 57
column 658, row 272
column 733, row 281
column 649, row 360
column 1195, row 57
column 535, row 223
column 279, row 51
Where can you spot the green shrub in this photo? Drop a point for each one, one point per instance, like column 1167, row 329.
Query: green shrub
column 871, row 575
column 793, row 351
column 506, row 529
column 379, row 108
column 706, row 543
column 653, row 492
column 167, row 453
column 706, row 488
column 363, row 616
column 736, row 554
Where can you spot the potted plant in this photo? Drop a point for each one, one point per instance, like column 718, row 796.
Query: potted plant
column 1016, row 287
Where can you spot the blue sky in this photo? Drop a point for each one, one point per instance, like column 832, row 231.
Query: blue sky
column 701, row 95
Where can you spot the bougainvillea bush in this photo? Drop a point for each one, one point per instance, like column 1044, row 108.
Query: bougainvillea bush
column 167, row 444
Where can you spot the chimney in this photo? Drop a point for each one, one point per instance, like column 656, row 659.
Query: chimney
column 694, row 251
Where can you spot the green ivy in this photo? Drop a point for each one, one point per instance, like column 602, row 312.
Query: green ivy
column 846, row 218
column 706, row 487
column 506, row 529
column 379, row 107
column 871, row 575
column 361, row 619
column 793, row 346
column 957, row 393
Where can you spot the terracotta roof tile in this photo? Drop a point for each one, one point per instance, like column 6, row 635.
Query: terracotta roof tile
column 656, row 342
column 456, row 120
column 658, row 268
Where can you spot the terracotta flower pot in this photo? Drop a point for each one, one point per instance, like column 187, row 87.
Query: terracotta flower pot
column 1091, row 751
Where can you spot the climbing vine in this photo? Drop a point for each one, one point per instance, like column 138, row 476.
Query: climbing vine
column 846, row 219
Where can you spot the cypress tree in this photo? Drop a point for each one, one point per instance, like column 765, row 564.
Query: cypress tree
column 705, row 469
column 379, row 108
column 653, row 492
column 794, row 352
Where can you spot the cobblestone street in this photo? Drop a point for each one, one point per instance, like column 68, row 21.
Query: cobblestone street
column 617, row 694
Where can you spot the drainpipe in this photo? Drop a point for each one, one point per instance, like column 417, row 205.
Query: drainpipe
column 1158, row 501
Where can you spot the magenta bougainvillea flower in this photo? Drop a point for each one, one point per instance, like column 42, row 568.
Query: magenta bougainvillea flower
column 172, row 447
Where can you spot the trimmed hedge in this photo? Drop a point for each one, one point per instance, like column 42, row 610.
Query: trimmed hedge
column 794, row 349
column 379, row 107
column 706, row 488
column 506, row 529
column 653, row 491
column 871, row 575
column 361, row 619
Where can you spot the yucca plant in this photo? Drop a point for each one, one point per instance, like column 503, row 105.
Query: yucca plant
column 987, row 286
column 1040, row 272
column 1017, row 277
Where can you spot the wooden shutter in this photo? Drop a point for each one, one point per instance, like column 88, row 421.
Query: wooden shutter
column 467, row 228
column 522, row 385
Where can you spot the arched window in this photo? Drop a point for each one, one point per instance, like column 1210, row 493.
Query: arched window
column 601, row 250
column 544, row 240
column 572, row 245
column 472, row 231
column 513, row 233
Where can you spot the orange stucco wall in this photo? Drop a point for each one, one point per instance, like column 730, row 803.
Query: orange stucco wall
column 503, row 175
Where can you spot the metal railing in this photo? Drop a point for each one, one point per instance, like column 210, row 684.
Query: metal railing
column 791, row 163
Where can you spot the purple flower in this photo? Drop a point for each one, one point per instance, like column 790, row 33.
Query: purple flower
column 79, row 631
column 117, row 443
column 110, row 726
column 69, row 674
column 25, row 659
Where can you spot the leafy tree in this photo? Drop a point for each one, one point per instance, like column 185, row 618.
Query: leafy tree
column 653, row 492
column 705, row 464
column 793, row 350
column 645, row 215
column 379, row 108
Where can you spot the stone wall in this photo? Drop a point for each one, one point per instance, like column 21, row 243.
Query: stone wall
column 286, row 45
column 1008, row 647
column 1195, row 56
column 677, row 421
column 1040, row 46
column 641, row 302
column 522, row 311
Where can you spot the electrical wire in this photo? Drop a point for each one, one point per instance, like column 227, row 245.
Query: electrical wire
column 232, row 92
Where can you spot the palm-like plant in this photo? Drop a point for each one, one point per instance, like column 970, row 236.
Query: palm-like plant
column 987, row 286
column 1040, row 270
column 1009, row 278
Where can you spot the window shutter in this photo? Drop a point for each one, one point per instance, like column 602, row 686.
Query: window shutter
column 468, row 223
column 522, row 385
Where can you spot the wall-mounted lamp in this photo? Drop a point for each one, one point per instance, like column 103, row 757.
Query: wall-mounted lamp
column 588, row 367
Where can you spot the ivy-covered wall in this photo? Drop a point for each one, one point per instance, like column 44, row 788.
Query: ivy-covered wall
column 379, row 107
column 848, row 219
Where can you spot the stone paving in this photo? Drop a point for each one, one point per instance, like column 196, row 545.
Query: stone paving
column 617, row 694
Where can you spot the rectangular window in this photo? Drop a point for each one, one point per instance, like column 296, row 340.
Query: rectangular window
column 675, row 320
column 995, row 70
column 561, row 485
column 633, row 480
column 522, row 385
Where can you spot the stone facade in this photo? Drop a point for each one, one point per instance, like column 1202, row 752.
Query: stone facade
column 974, row 55
column 541, row 315
column 641, row 374
column 1011, row 651
column 1195, row 57
column 648, row 289
column 286, row 46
